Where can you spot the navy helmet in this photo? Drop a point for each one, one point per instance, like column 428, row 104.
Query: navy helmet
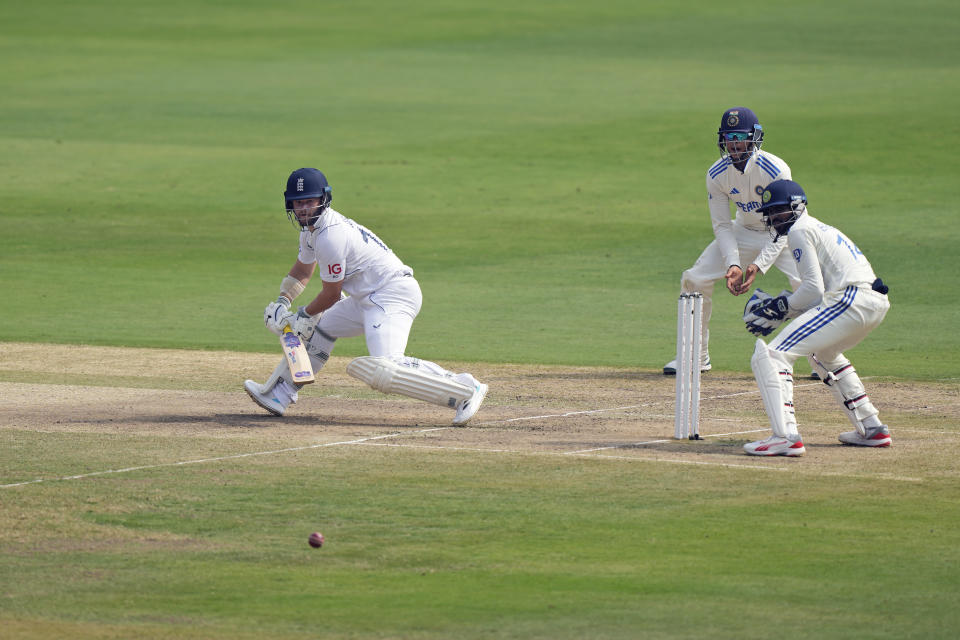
column 302, row 185
column 739, row 123
column 782, row 197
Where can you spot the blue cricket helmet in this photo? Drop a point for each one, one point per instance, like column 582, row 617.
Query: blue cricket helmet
column 782, row 194
column 779, row 197
column 742, row 124
column 304, row 184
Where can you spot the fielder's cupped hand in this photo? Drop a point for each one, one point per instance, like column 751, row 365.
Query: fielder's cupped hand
column 734, row 277
column 277, row 316
column 738, row 281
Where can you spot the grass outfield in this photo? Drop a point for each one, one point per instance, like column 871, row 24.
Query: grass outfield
column 180, row 510
column 540, row 164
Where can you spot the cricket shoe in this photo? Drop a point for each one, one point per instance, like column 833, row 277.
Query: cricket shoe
column 875, row 437
column 670, row 369
column 776, row 446
column 275, row 400
column 466, row 409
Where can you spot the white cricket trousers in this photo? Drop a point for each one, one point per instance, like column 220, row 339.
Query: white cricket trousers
column 384, row 317
column 840, row 322
column 710, row 267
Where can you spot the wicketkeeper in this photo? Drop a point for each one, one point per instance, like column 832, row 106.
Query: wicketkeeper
column 840, row 300
column 383, row 300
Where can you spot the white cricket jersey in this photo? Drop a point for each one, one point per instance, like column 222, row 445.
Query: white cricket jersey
column 828, row 262
column 726, row 184
column 349, row 252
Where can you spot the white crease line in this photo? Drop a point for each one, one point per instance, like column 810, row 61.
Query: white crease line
column 731, row 465
column 662, row 441
column 626, row 408
column 401, row 445
column 567, row 414
column 394, row 435
column 217, row 459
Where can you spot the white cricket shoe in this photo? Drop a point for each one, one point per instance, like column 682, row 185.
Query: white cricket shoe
column 467, row 408
column 876, row 437
column 274, row 400
column 670, row 369
column 776, row 446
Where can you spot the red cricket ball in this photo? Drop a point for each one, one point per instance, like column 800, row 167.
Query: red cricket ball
column 315, row 539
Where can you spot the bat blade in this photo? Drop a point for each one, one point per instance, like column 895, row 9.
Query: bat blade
column 297, row 358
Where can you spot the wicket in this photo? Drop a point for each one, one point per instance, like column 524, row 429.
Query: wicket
column 686, row 421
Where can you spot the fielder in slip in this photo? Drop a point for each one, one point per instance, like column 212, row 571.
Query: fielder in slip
column 839, row 302
column 383, row 300
column 741, row 248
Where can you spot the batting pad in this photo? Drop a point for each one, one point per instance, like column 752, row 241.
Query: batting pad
column 385, row 375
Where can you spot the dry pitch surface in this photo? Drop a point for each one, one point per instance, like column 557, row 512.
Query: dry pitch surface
column 622, row 414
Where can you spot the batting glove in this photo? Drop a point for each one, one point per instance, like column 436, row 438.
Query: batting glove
column 278, row 315
column 304, row 324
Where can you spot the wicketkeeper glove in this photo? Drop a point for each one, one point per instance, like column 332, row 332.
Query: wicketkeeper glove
column 763, row 313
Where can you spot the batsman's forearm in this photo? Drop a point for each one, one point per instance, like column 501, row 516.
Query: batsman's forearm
column 324, row 300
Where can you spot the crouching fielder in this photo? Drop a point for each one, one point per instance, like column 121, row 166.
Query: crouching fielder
column 383, row 300
column 839, row 301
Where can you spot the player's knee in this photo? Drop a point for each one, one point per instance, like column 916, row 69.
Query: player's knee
column 779, row 359
column 832, row 362
column 690, row 283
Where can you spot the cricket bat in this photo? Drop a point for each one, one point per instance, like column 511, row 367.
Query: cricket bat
column 297, row 358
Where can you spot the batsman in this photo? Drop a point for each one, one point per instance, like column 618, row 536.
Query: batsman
column 840, row 300
column 383, row 298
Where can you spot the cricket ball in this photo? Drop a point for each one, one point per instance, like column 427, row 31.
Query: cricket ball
column 315, row 540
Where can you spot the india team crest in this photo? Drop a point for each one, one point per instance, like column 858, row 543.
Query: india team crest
column 733, row 118
column 766, row 196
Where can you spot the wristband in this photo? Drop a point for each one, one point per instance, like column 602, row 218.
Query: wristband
column 290, row 288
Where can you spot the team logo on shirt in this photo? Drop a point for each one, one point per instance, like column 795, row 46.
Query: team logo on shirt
column 759, row 191
column 733, row 119
column 796, row 254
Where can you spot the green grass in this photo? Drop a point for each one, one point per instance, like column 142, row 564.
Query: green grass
column 540, row 164
column 506, row 547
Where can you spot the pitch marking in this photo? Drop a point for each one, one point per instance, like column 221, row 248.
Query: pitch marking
column 217, row 459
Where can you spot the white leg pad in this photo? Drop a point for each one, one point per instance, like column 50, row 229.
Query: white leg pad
column 282, row 370
column 775, row 382
column 848, row 389
column 388, row 376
